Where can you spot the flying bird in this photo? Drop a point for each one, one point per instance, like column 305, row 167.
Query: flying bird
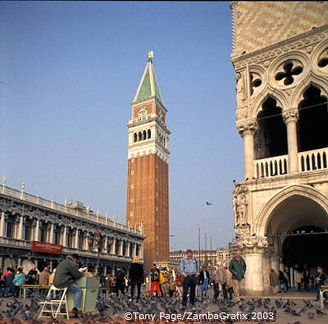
column 208, row 203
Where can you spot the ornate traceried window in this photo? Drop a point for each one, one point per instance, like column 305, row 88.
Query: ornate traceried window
column 290, row 69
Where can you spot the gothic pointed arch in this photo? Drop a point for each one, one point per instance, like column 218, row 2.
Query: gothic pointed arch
column 307, row 191
column 313, row 119
column 314, row 81
column 268, row 92
column 271, row 137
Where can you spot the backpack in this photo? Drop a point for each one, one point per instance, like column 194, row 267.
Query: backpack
column 161, row 278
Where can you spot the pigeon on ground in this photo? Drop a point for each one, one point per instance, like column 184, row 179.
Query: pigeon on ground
column 292, row 311
column 279, row 303
column 320, row 312
column 310, row 315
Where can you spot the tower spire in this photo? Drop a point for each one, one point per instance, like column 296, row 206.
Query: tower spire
column 148, row 86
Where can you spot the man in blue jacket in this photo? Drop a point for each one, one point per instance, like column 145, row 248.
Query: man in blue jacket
column 189, row 268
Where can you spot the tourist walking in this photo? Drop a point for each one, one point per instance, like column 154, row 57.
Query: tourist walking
column 320, row 279
column 274, row 281
column 283, row 279
column 120, row 281
column 189, row 268
column 154, row 279
column 298, row 280
column 237, row 268
column 229, row 285
column 204, row 281
column 136, row 274
column 221, row 278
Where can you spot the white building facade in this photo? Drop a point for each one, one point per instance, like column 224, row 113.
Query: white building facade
column 280, row 57
column 36, row 231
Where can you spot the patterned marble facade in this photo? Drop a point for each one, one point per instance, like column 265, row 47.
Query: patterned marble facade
column 25, row 219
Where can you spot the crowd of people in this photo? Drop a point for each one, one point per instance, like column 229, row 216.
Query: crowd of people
column 189, row 282
column 11, row 280
column 280, row 282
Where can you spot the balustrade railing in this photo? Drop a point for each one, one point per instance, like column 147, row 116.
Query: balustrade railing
column 15, row 242
column 278, row 165
column 313, row 160
column 270, row 167
column 85, row 214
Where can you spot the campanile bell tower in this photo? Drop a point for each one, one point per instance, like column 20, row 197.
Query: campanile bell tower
column 147, row 187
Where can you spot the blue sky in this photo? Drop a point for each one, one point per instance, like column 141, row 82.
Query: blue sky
column 68, row 73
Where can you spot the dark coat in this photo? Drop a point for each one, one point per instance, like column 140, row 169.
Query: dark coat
column 119, row 276
column 32, row 277
column 136, row 273
column 201, row 277
column 66, row 272
column 9, row 279
column 237, row 268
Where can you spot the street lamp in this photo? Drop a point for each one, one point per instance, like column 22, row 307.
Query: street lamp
column 98, row 245
column 198, row 243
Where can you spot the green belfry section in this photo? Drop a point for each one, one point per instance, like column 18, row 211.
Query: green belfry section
column 145, row 89
column 148, row 86
column 158, row 93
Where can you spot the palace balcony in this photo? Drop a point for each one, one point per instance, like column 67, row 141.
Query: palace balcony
column 307, row 161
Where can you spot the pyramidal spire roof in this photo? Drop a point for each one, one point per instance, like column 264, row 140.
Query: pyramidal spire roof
column 148, row 86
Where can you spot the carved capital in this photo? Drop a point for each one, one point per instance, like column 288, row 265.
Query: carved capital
column 290, row 116
column 248, row 126
column 253, row 243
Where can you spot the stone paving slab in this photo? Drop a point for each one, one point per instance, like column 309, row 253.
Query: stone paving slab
column 281, row 318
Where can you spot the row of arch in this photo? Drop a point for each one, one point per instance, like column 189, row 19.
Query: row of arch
column 141, row 136
column 146, row 134
column 271, row 138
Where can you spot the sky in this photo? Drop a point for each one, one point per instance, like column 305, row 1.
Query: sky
column 68, row 74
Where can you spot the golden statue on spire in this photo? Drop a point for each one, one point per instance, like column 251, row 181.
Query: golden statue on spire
column 151, row 54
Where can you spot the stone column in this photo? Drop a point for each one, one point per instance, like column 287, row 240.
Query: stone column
column 113, row 247
column 267, row 265
column 76, row 244
column 37, row 231
column 86, row 242
column 20, row 228
column 134, row 250
column 254, row 274
column 2, row 224
column 64, row 237
column 127, row 252
column 247, row 132
column 290, row 119
column 1, row 261
column 51, row 233
column 253, row 248
column 120, row 252
column 141, row 251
